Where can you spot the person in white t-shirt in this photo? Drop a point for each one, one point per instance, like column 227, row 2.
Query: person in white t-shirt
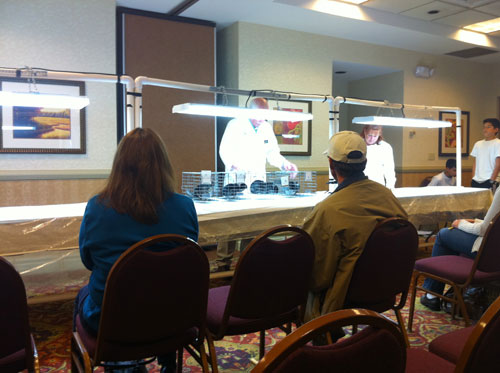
column 380, row 158
column 486, row 155
column 464, row 237
column 447, row 177
column 245, row 147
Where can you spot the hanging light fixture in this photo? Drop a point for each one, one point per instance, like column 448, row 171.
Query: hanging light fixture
column 36, row 99
column 401, row 122
column 238, row 112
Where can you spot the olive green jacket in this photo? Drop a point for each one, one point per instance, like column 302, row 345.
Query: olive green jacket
column 340, row 226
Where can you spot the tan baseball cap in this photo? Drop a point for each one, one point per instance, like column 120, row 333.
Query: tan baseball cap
column 347, row 147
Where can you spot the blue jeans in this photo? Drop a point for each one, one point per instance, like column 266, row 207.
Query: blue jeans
column 450, row 242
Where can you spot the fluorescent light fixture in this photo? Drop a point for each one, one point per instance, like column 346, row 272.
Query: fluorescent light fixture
column 338, row 8
column 35, row 99
column 473, row 37
column 357, row 2
column 401, row 122
column 237, row 112
column 485, row 27
column 18, row 128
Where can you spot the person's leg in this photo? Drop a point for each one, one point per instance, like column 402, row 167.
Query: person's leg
column 450, row 242
column 485, row 184
column 225, row 253
column 80, row 298
column 244, row 243
column 168, row 362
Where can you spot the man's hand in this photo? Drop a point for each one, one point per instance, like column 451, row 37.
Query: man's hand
column 289, row 166
column 455, row 223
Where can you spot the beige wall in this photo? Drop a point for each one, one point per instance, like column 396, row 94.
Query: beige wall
column 72, row 35
column 383, row 87
column 296, row 61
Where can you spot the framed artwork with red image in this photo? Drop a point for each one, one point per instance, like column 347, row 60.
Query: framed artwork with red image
column 294, row 138
column 448, row 136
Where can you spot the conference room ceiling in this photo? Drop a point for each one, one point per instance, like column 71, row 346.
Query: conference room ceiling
column 425, row 26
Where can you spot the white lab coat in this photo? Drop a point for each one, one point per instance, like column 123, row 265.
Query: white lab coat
column 380, row 164
column 247, row 149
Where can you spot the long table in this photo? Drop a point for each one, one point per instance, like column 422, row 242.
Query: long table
column 30, row 229
column 45, row 238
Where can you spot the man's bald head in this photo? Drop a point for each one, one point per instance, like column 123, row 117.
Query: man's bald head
column 259, row 103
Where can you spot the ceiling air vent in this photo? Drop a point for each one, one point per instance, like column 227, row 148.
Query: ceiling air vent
column 471, row 52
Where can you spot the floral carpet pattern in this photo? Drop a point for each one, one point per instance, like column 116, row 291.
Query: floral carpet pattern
column 51, row 325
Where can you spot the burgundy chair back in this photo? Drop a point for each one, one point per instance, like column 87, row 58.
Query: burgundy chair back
column 16, row 351
column 272, row 275
column 481, row 352
column 489, row 260
column 385, row 267
column 152, row 299
column 380, row 347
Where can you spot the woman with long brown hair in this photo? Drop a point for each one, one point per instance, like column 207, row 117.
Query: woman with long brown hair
column 137, row 202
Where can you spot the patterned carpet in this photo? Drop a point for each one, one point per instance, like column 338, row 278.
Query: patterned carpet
column 51, row 325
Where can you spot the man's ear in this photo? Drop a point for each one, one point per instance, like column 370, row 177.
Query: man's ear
column 332, row 168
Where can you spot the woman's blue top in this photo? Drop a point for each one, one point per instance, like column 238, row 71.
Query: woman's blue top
column 106, row 234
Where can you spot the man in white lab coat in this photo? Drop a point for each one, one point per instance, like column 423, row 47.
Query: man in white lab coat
column 248, row 143
column 246, row 146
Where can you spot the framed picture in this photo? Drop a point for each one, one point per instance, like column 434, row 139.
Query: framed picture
column 448, row 136
column 294, row 138
column 42, row 129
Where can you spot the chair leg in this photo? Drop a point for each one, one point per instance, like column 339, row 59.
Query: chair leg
column 412, row 301
column 203, row 355
column 262, row 344
column 354, row 329
column 463, row 308
column 80, row 359
column 180, row 353
column 402, row 326
column 211, row 351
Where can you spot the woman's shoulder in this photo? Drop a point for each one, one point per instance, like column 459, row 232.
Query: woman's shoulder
column 97, row 205
column 94, row 201
column 179, row 199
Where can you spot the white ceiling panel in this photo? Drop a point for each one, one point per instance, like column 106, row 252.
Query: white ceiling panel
column 158, row 6
column 382, row 25
column 469, row 3
column 395, row 6
column 422, row 12
column 493, row 8
column 464, row 18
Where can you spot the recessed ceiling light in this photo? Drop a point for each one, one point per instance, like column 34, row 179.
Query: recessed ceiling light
column 435, row 11
column 354, row 1
column 485, row 27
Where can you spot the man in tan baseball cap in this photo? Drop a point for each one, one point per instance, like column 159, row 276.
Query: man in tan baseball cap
column 341, row 224
column 347, row 147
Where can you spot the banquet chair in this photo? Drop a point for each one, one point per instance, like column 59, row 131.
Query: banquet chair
column 461, row 272
column 269, row 288
column 379, row 347
column 17, row 346
column 154, row 303
column 384, row 269
column 472, row 349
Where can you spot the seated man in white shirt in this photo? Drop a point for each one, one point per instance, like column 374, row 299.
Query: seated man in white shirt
column 447, row 177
